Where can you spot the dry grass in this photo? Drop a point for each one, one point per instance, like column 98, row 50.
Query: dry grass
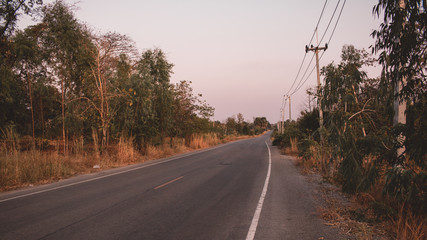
column 204, row 140
column 364, row 215
column 407, row 225
column 20, row 168
column 369, row 215
column 30, row 167
column 346, row 214
column 126, row 152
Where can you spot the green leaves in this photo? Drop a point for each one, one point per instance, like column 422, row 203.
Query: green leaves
column 407, row 186
column 401, row 42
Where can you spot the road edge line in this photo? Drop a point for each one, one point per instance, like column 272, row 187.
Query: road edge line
column 155, row 162
column 257, row 214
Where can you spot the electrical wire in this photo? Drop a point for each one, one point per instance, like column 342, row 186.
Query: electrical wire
column 327, row 27
column 332, row 34
column 305, row 72
column 301, row 82
column 305, row 55
column 336, row 23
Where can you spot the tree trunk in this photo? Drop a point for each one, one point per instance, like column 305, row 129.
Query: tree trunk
column 42, row 121
column 32, row 110
column 63, row 114
column 42, row 117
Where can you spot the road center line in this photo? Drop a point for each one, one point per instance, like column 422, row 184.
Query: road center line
column 116, row 173
column 171, row 181
column 257, row 214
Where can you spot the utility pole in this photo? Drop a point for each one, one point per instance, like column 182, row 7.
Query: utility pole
column 289, row 97
column 281, row 121
column 283, row 115
column 316, row 51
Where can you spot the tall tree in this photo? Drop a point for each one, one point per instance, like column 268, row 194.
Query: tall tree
column 188, row 111
column 261, row 123
column 106, row 56
column 10, row 11
column 64, row 40
column 402, row 41
column 155, row 67
column 11, row 104
column 28, row 66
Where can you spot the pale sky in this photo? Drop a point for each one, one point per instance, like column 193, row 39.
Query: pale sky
column 242, row 55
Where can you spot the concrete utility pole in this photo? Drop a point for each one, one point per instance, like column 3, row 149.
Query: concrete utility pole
column 281, row 121
column 289, row 97
column 316, row 51
column 283, row 115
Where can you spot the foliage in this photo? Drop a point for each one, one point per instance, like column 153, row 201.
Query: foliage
column 291, row 131
column 261, row 124
column 401, row 42
column 360, row 144
column 190, row 114
column 10, row 11
column 62, row 80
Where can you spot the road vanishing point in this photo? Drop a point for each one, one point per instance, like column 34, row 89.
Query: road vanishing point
column 239, row 190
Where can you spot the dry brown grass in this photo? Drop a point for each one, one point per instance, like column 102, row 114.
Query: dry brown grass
column 345, row 213
column 20, row 168
column 368, row 215
column 31, row 167
column 199, row 141
column 408, row 226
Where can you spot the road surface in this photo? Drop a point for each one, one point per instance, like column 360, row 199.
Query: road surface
column 239, row 190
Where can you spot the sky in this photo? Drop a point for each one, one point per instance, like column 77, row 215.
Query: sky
column 241, row 55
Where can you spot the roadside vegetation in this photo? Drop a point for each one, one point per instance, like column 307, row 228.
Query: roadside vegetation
column 357, row 146
column 74, row 100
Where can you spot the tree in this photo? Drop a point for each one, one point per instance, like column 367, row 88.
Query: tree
column 261, row 123
column 155, row 68
column 64, row 42
column 231, row 124
column 105, row 54
column 349, row 124
column 189, row 111
column 9, row 12
column 240, row 123
column 28, row 66
column 12, row 109
column 401, row 42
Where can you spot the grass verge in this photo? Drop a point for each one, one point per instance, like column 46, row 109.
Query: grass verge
column 20, row 168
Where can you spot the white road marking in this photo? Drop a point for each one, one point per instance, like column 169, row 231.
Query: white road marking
column 255, row 219
column 113, row 174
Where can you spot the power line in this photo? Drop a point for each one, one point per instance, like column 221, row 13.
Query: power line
column 327, row 27
column 318, row 21
column 336, row 23
column 305, row 72
column 301, row 83
column 312, row 36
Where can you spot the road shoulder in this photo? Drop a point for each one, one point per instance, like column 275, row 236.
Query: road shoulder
column 290, row 206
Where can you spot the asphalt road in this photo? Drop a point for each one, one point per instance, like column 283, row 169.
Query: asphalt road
column 208, row 194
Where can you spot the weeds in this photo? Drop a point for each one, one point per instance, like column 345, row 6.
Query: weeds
column 23, row 168
column 408, row 225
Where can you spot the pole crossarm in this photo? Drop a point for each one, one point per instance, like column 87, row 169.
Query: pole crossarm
column 312, row 48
